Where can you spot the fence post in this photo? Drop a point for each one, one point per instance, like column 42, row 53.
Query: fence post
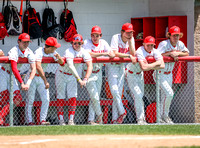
column 11, row 97
column 157, row 96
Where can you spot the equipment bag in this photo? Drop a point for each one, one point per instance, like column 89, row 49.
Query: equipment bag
column 3, row 30
column 68, row 23
column 31, row 22
column 49, row 25
column 12, row 19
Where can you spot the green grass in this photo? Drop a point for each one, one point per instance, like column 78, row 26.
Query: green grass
column 103, row 130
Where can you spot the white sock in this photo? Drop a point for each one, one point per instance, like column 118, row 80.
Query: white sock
column 61, row 117
column 71, row 117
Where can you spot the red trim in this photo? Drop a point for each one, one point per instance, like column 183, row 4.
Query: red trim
column 65, row 73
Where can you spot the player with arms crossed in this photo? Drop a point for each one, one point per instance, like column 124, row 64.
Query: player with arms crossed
column 20, row 50
column 69, row 75
column 135, row 77
column 123, row 45
column 96, row 47
column 174, row 48
column 40, row 82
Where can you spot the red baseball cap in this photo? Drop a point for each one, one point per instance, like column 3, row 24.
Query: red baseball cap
column 96, row 29
column 174, row 30
column 24, row 37
column 51, row 41
column 127, row 27
column 149, row 40
column 77, row 38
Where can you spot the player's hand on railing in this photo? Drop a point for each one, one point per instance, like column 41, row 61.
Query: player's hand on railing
column 111, row 54
column 133, row 59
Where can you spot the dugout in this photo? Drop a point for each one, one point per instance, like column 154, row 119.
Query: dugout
column 110, row 15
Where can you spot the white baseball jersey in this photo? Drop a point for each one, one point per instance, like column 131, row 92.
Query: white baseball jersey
column 39, row 53
column 15, row 53
column 141, row 54
column 70, row 54
column 101, row 48
column 119, row 45
column 165, row 46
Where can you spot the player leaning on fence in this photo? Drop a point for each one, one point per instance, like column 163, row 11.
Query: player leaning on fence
column 40, row 82
column 174, row 48
column 69, row 75
column 21, row 50
column 123, row 45
column 135, row 77
column 96, row 47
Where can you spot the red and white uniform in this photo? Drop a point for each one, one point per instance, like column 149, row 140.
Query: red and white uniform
column 116, row 73
column 166, row 75
column 38, row 84
column 14, row 55
column 95, row 80
column 64, row 78
column 135, row 79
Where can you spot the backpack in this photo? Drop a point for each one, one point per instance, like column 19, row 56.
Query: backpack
column 12, row 19
column 68, row 23
column 49, row 25
column 31, row 22
column 3, row 30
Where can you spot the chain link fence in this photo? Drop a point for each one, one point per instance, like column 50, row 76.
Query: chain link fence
column 181, row 110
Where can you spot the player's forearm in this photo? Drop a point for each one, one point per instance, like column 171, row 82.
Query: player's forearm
column 73, row 69
column 89, row 69
column 122, row 55
column 33, row 71
column 161, row 66
column 131, row 48
column 1, row 53
column 94, row 55
column 41, row 72
column 182, row 54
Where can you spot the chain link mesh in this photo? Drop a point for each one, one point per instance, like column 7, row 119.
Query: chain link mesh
column 181, row 109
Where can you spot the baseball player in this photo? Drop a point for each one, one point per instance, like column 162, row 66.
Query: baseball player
column 123, row 45
column 174, row 48
column 69, row 75
column 96, row 47
column 135, row 77
column 40, row 82
column 20, row 50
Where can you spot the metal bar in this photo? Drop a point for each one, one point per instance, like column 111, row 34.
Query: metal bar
column 11, row 97
column 157, row 97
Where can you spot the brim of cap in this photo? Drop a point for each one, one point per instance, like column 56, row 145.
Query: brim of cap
column 57, row 45
column 150, row 43
column 26, row 40
column 95, row 32
column 77, row 41
column 129, row 31
column 176, row 33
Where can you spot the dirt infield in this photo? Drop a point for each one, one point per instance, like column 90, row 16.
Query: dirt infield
column 97, row 141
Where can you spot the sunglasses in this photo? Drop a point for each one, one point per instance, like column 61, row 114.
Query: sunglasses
column 79, row 43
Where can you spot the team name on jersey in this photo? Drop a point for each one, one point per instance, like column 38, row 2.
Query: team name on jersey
column 123, row 50
column 101, row 51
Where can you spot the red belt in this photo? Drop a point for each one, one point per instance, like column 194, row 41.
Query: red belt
column 115, row 63
column 37, row 75
column 5, row 70
column 65, row 73
column 137, row 73
column 94, row 71
column 167, row 72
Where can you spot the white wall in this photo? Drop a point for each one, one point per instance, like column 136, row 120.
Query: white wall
column 110, row 15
